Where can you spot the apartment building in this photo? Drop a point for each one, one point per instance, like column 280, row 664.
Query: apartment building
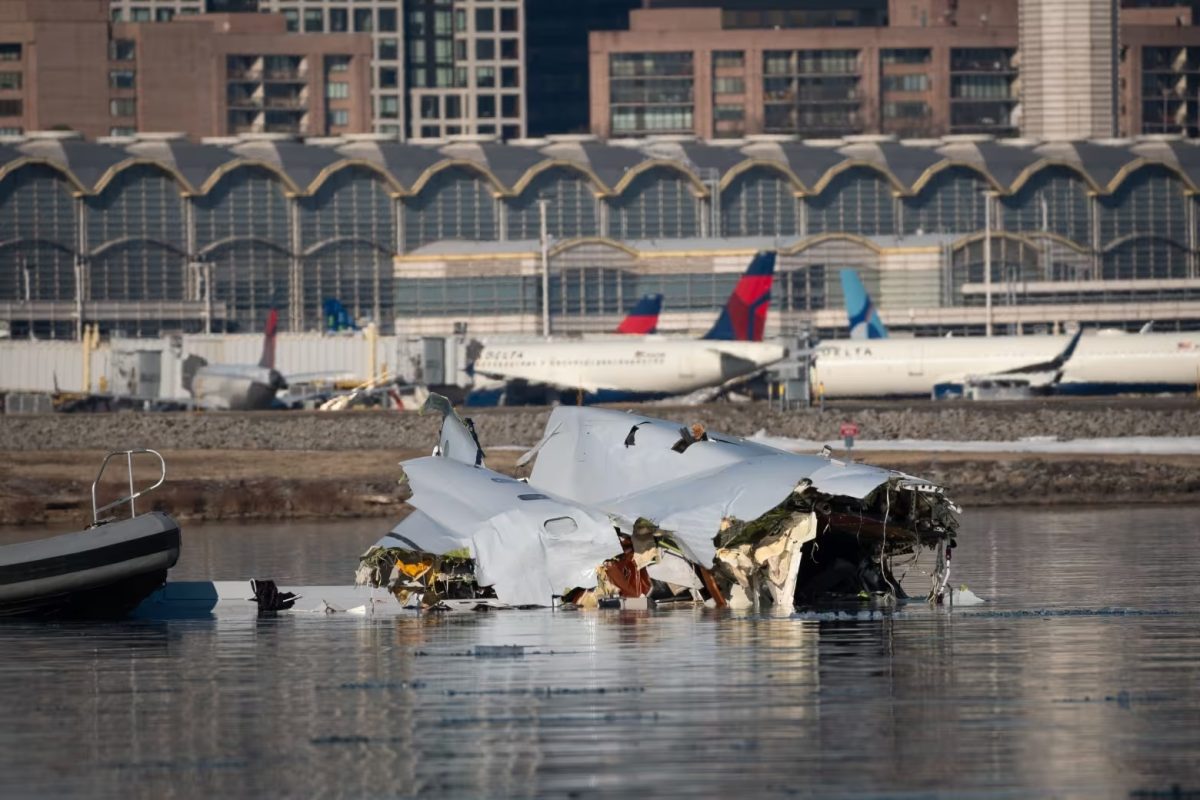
column 226, row 74
column 52, row 58
column 438, row 67
column 727, row 70
column 64, row 65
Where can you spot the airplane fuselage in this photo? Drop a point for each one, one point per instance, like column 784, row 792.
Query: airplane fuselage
column 1100, row 364
column 644, row 367
column 236, row 387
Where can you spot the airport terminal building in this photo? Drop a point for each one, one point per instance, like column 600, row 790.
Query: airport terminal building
column 151, row 234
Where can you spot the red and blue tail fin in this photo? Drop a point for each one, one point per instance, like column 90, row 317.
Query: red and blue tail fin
column 744, row 316
column 268, row 353
column 644, row 316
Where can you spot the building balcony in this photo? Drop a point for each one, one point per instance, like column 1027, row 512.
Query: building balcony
column 286, row 103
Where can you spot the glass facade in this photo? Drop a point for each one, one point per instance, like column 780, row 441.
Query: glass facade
column 144, row 240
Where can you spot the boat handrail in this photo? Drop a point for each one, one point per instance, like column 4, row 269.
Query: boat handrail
column 133, row 494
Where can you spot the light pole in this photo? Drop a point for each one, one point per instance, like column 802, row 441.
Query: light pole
column 544, row 235
column 987, row 262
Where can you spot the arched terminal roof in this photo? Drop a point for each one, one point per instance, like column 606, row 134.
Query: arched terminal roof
column 809, row 165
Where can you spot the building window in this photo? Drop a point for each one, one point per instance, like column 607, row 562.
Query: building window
column 10, row 52
column 10, row 131
column 120, row 79
column 906, row 83
column 485, row 49
column 337, row 90
column 627, row 65
column 337, row 63
column 416, row 24
column 122, row 130
column 730, row 113
column 362, row 20
column 10, row 80
column 314, row 21
column 485, row 19
column 486, row 129
column 443, row 51
column 651, row 92
column 906, row 55
column 164, row 14
column 430, row 132
column 388, row 78
column 485, row 106
column 338, row 118
column 460, row 77
column 387, row 20
column 338, row 22
column 729, row 86
column 416, row 51
column 508, row 19
column 443, row 24
column 389, row 49
column 140, row 15
column 11, row 108
column 460, row 20
column 510, row 105
column 429, row 107
column 444, row 77
column 453, row 107
column 116, row 15
column 510, row 77
column 485, row 76
column 510, row 49
column 389, row 107
column 122, row 107
column 292, row 19
column 510, row 132
column 121, row 50
column 729, row 59
column 915, row 110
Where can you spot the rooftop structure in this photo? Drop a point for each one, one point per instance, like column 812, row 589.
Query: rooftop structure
column 155, row 233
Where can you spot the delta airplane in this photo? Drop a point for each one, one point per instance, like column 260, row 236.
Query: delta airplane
column 637, row 368
column 237, row 387
column 1099, row 363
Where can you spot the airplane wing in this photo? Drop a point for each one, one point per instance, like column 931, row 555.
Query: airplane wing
column 1038, row 375
column 1054, row 365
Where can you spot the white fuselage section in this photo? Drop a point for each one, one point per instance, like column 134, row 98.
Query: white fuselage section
column 629, row 364
column 887, row 367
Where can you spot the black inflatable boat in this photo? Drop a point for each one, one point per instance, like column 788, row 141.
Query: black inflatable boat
column 101, row 572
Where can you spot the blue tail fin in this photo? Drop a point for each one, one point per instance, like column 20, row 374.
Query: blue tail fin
column 744, row 316
column 337, row 318
column 864, row 317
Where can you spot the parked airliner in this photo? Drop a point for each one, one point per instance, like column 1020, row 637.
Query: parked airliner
column 1106, row 362
column 637, row 368
column 237, row 387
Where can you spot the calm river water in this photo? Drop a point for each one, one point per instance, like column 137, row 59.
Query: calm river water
column 1079, row 678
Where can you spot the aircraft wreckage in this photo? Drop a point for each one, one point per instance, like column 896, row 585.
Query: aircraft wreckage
column 621, row 508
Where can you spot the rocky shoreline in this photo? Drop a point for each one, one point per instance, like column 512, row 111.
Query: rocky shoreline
column 374, row 430
column 311, row 465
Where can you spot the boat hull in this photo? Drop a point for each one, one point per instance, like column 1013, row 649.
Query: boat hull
column 103, row 572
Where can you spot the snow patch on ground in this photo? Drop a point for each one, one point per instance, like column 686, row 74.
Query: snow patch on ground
column 1128, row 445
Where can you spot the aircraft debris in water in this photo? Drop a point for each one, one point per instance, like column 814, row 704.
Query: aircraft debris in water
column 627, row 509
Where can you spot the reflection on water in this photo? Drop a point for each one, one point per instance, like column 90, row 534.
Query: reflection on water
column 634, row 703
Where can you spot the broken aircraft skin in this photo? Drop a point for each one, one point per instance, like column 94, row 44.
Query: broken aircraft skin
column 621, row 506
